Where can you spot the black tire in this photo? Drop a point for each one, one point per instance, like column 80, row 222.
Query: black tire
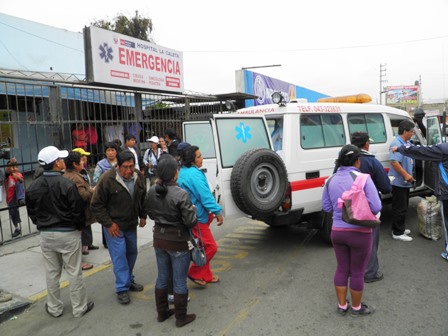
column 327, row 223
column 259, row 182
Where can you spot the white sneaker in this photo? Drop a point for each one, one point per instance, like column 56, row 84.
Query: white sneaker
column 402, row 237
column 407, row 231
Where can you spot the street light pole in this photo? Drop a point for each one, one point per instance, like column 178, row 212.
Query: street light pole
column 382, row 81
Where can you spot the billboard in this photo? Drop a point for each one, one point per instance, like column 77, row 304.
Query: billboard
column 402, row 95
column 263, row 87
column 119, row 60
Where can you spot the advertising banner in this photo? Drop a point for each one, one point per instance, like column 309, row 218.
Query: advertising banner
column 263, row 87
column 402, row 95
column 121, row 60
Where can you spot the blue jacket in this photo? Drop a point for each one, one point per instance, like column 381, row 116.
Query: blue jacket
column 194, row 181
column 340, row 182
column 436, row 153
column 370, row 165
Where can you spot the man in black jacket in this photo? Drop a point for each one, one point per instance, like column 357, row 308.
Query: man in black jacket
column 55, row 206
column 117, row 203
column 371, row 165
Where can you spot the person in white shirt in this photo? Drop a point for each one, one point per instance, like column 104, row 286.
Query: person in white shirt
column 129, row 144
column 151, row 158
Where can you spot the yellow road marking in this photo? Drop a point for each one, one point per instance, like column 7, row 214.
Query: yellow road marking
column 39, row 296
column 242, row 315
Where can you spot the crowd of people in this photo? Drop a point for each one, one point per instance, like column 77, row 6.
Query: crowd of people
column 169, row 186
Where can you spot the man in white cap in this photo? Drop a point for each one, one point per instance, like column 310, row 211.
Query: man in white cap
column 55, row 206
column 151, row 158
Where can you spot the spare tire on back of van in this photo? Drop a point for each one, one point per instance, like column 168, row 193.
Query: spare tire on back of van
column 259, row 182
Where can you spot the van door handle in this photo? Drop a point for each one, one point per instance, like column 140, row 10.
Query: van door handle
column 311, row 175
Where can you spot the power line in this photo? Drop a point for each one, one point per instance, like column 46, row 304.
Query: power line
column 41, row 37
column 321, row 48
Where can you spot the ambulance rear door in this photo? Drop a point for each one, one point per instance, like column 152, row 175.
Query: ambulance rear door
column 433, row 136
column 199, row 133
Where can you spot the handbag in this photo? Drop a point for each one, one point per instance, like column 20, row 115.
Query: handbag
column 197, row 250
column 355, row 206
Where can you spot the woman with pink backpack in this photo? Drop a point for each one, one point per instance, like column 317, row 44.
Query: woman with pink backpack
column 352, row 243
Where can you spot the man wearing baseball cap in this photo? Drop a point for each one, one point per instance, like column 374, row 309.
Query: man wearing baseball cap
column 151, row 158
column 370, row 165
column 55, row 206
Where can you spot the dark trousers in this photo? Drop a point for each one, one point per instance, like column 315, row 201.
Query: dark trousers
column 444, row 212
column 400, row 204
column 373, row 265
column 87, row 236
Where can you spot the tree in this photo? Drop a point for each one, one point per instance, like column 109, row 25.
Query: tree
column 137, row 26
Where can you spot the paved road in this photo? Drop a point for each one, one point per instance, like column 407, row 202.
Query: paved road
column 273, row 282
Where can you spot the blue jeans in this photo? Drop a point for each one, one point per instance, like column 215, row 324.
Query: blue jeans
column 123, row 252
column 172, row 265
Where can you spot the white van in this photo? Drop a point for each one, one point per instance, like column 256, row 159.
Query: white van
column 270, row 162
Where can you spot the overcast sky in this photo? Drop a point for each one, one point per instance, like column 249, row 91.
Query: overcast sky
column 334, row 47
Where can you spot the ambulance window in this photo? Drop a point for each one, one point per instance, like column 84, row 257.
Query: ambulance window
column 201, row 135
column 372, row 123
column 324, row 130
column 276, row 130
column 432, row 131
column 238, row 135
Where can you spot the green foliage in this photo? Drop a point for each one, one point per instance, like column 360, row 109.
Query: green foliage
column 136, row 26
column 157, row 106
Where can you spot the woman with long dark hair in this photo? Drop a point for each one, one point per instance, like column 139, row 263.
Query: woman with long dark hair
column 194, row 181
column 174, row 215
column 352, row 243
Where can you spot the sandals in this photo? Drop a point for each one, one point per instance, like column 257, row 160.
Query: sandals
column 198, row 282
column 86, row 267
column 215, row 279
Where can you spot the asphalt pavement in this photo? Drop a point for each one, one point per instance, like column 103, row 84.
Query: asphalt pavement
column 23, row 274
column 274, row 281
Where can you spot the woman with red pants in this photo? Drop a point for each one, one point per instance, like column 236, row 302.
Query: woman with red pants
column 193, row 180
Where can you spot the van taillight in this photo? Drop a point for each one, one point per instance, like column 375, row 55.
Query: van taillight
column 286, row 205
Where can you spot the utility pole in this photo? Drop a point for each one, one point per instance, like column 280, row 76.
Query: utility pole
column 383, row 81
column 419, row 84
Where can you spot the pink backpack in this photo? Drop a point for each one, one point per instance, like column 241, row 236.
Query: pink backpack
column 354, row 204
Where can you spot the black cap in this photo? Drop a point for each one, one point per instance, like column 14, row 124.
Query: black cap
column 359, row 139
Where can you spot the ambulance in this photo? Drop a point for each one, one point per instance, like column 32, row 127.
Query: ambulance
column 270, row 162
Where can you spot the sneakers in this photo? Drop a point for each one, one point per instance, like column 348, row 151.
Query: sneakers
column 444, row 255
column 402, row 237
column 379, row 276
column 16, row 232
column 365, row 310
column 135, row 287
column 343, row 312
column 5, row 297
column 123, row 297
column 407, row 231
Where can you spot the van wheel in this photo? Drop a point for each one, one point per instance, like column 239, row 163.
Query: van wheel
column 327, row 223
column 259, row 182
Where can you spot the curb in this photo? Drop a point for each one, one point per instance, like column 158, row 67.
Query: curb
column 9, row 309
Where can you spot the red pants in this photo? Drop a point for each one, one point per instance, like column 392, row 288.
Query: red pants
column 204, row 272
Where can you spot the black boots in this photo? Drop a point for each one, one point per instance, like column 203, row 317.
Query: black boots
column 180, row 310
column 163, row 311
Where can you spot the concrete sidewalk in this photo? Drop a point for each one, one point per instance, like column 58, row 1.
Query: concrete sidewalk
column 22, row 271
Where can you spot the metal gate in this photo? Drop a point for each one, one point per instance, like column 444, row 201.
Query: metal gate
column 38, row 114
